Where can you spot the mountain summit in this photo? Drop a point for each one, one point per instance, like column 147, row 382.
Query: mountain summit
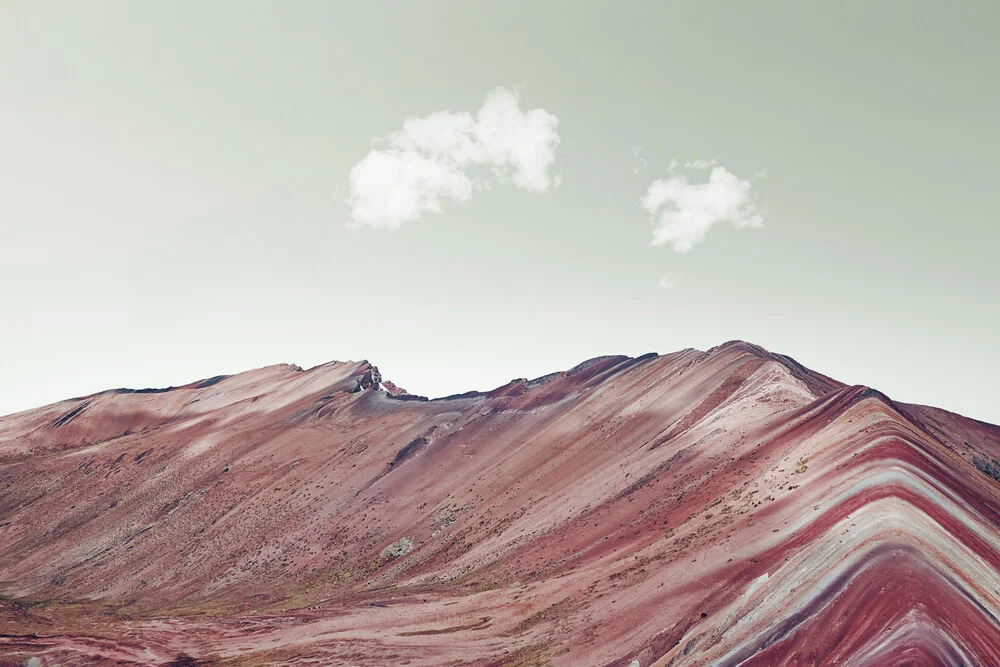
column 728, row 507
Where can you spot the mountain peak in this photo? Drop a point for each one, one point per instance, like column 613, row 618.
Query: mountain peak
column 715, row 507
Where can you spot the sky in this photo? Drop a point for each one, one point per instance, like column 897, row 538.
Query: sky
column 464, row 193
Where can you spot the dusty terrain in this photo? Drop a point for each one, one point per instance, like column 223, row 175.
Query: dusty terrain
column 723, row 507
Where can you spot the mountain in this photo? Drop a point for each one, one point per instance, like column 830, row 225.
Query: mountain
column 728, row 507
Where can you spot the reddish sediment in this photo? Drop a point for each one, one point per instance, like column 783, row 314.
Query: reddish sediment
column 724, row 507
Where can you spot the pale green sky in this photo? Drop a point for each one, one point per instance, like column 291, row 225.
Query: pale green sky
column 173, row 177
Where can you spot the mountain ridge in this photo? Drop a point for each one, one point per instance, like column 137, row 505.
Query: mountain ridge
column 696, row 507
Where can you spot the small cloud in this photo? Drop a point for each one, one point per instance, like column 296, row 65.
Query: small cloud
column 672, row 167
column 636, row 150
column 699, row 164
column 449, row 156
column 682, row 212
column 669, row 281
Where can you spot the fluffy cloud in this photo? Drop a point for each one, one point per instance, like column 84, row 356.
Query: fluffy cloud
column 449, row 156
column 682, row 212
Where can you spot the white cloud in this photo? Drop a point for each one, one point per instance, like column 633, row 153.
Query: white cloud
column 666, row 283
column 700, row 163
column 636, row 150
column 447, row 156
column 682, row 212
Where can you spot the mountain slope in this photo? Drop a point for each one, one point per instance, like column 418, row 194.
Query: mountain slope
column 721, row 507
